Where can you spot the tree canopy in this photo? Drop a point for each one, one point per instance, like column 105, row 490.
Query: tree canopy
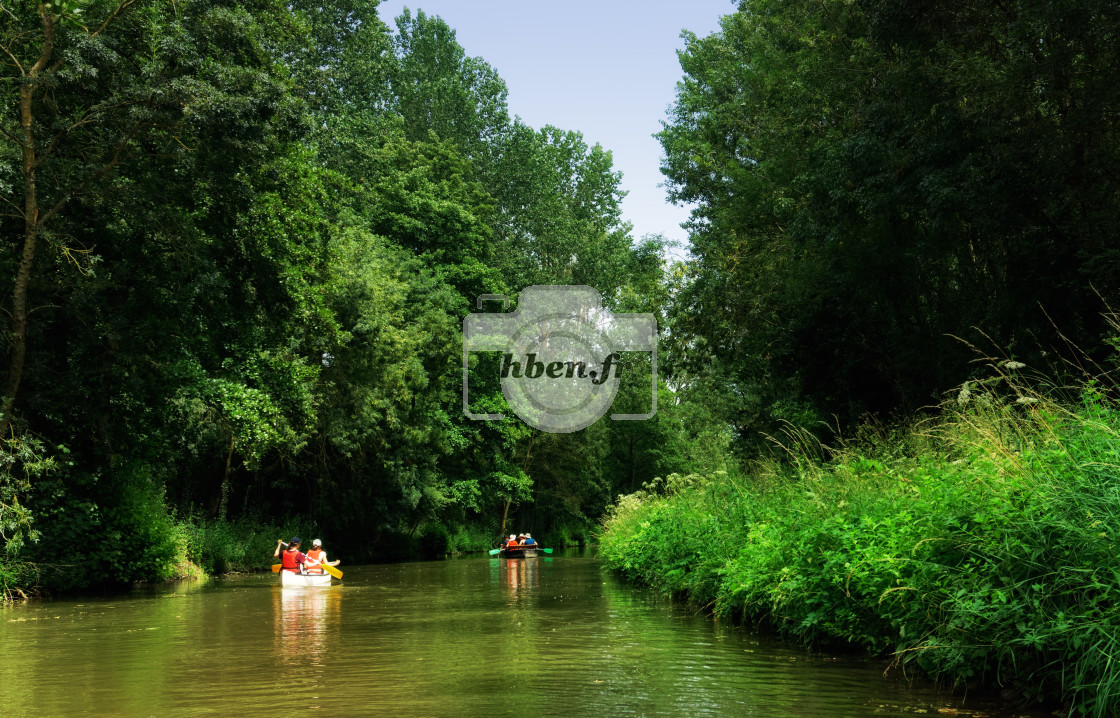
column 242, row 238
column 878, row 185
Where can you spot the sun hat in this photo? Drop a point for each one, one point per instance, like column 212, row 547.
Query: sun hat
column 316, row 542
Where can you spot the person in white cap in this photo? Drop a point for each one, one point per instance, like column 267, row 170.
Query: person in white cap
column 529, row 540
column 318, row 554
column 512, row 540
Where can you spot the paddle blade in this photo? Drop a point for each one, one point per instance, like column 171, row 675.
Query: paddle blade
column 276, row 567
column 326, row 567
column 494, row 551
column 546, row 550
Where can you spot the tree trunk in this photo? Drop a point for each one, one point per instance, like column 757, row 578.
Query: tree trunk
column 33, row 218
column 223, row 506
column 31, row 223
column 505, row 512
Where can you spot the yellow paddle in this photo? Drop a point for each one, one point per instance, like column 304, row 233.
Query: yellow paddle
column 329, row 569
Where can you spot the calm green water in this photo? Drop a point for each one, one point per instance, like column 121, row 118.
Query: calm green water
column 462, row 638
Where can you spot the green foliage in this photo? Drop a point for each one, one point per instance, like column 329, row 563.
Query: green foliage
column 104, row 529
column 244, row 544
column 437, row 89
column 138, row 540
column 23, row 459
column 421, row 195
column 874, row 179
column 470, row 538
column 559, row 212
column 982, row 547
column 260, row 227
column 17, row 579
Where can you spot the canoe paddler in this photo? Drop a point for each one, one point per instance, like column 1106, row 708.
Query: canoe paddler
column 292, row 559
column 318, row 554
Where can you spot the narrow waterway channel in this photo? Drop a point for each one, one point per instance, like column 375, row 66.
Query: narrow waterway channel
column 553, row 636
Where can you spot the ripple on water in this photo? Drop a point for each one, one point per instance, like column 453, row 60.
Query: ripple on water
column 475, row 637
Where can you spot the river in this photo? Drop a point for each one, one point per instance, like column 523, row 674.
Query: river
column 556, row 636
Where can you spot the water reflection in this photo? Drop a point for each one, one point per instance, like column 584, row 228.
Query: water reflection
column 468, row 638
column 519, row 575
column 304, row 620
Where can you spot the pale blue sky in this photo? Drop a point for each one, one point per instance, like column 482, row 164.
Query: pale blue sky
column 608, row 69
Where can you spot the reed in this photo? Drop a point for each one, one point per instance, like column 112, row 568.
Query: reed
column 235, row 546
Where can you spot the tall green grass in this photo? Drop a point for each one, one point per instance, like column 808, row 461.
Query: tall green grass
column 236, row 546
column 980, row 548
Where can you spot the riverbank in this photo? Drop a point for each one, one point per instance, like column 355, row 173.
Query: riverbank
column 171, row 550
column 980, row 548
column 164, row 550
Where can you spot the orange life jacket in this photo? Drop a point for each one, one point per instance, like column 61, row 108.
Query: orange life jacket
column 290, row 560
column 314, row 555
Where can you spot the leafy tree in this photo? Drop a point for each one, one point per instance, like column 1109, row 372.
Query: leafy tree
column 175, row 308
column 438, row 89
column 873, row 181
column 250, row 232
column 87, row 99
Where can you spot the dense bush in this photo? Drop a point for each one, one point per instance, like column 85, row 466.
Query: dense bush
column 116, row 528
column 22, row 460
column 982, row 549
column 104, row 528
column 242, row 545
column 470, row 537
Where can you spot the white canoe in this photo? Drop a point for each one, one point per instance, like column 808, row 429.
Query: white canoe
column 290, row 580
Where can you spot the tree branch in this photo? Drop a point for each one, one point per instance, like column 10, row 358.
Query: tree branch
column 84, row 185
column 17, row 62
column 112, row 16
column 48, row 41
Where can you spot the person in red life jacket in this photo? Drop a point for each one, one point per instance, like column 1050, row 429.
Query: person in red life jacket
column 318, row 554
column 292, row 559
column 512, row 541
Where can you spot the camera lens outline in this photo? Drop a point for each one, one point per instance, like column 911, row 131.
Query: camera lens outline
column 625, row 332
column 518, row 391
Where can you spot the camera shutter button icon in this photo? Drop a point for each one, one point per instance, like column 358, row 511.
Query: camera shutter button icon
column 560, row 355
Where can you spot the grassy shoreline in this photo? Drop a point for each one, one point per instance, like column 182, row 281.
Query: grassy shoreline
column 980, row 548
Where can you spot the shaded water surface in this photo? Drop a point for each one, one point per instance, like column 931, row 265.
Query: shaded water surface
column 469, row 637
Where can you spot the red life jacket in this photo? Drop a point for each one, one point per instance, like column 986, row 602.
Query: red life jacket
column 290, row 560
column 511, row 542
